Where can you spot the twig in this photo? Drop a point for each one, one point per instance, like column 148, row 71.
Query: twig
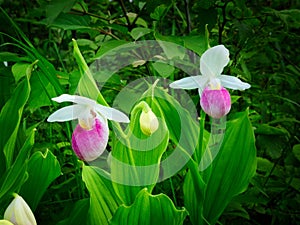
column 125, row 13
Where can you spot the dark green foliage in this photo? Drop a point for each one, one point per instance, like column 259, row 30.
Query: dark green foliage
column 36, row 43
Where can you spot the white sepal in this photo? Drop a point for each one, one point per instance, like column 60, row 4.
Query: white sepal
column 233, row 83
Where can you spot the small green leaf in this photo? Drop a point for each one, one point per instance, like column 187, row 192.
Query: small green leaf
column 165, row 70
column 19, row 70
column 139, row 32
column 158, row 12
column 149, row 209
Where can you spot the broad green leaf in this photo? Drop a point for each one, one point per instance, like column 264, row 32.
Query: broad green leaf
column 195, row 43
column 78, row 213
column 149, row 209
column 11, row 115
column 135, row 161
column 16, row 175
column 41, row 91
column 42, row 170
column 103, row 200
column 228, row 175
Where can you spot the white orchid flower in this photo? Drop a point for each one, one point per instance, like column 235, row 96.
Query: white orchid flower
column 212, row 63
column 214, row 98
column 90, row 136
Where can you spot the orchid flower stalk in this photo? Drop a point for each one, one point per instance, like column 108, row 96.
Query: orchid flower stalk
column 90, row 137
column 212, row 84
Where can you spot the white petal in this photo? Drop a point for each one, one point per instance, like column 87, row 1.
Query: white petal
column 67, row 113
column 190, row 82
column 75, row 99
column 213, row 61
column 233, row 83
column 111, row 113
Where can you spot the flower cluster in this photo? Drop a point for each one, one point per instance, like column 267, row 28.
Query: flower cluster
column 211, row 84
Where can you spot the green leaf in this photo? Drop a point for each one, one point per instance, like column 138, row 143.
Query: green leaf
column 11, row 115
column 42, row 170
column 228, row 175
column 87, row 86
column 139, row 32
column 296, row 151
column 165, row 70
column 41, row 91
column 158, row 12
column 19, row 70
column 16, row 175
column 108, row 46
column 56, row 7
column 149, row 209
column 103, row 200
column 136, row 157
column 71, row 22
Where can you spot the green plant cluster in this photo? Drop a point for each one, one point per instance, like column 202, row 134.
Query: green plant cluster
column 37, row 63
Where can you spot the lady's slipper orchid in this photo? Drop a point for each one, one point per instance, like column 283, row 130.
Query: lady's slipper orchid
column 215, row 99
column 19, row 213
column 90, row 136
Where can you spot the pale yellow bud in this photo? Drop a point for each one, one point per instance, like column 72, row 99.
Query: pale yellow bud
column 5, row 222
column 148, row 122
column 19, row 213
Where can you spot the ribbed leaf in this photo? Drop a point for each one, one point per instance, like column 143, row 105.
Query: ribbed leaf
column 11, row 114
column 42, row 170
column 135, row 161
column 229, row 174
column 16, row 175
column 149, row 209
column 103, row 201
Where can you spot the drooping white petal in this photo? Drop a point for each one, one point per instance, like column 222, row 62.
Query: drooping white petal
column 67, row 113
column 75, row 99
column 213, row 61
column 190, row 82
column 111, row 113
column 233, row 83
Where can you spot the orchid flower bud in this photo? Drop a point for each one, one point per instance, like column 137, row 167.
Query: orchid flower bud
column 215, row 102
column 19, row 213
column 148, row 121
column 89, row 144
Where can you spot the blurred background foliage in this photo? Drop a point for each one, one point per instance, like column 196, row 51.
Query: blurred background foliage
column 262, row 36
